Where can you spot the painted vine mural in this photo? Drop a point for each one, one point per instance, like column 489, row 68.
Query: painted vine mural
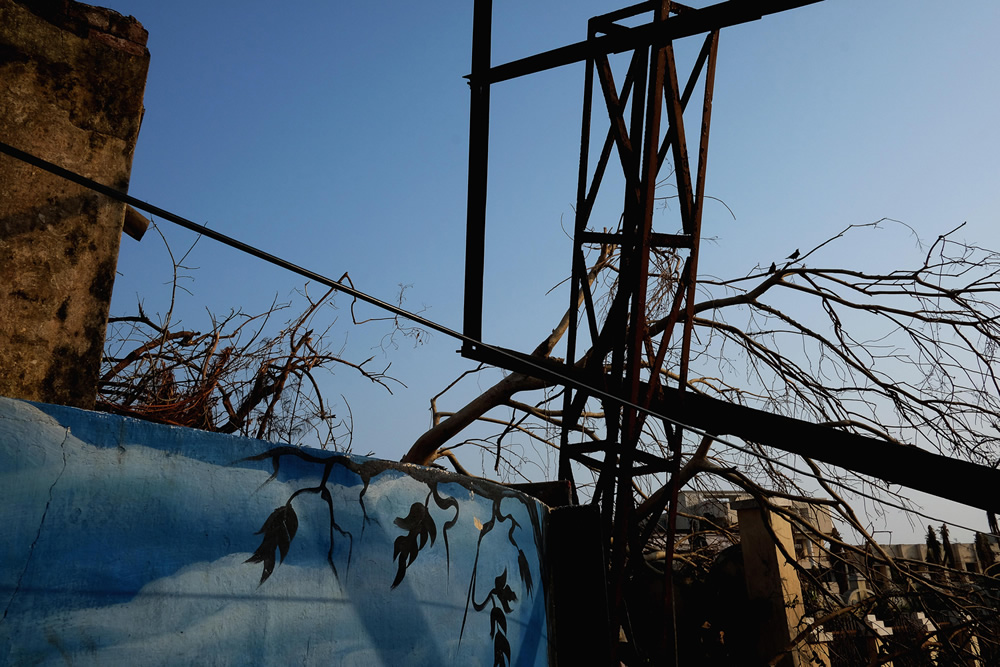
column 419, row 531
column 137, row 543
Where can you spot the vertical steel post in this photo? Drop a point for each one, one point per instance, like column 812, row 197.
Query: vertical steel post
column 639, row 222
column 691, row 268
column 579, row 267
column 479, row 144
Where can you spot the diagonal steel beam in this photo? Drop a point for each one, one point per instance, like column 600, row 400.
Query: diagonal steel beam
column 906, row 465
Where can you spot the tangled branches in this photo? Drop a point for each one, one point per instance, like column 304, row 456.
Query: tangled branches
column 239, row 376
column 906, row 353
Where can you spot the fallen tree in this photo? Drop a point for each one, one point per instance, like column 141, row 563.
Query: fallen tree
column 822, row 384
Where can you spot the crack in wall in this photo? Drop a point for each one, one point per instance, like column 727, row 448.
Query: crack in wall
column 41, row 524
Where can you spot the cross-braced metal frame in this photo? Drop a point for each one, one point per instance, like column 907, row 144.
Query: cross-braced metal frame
column 622, row 347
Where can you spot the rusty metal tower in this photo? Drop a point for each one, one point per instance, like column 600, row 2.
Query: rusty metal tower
column 645, row 124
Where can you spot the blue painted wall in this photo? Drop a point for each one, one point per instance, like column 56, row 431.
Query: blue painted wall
column 125, row 542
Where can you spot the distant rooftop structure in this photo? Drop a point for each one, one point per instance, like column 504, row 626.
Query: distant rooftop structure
column 710, row 519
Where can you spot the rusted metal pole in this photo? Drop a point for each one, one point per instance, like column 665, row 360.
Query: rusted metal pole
column 479, row 144
column 639, row 221
column 579, row 269
column 690, row 284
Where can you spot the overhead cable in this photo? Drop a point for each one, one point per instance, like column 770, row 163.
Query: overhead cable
column 543, row 371
column 117, row 195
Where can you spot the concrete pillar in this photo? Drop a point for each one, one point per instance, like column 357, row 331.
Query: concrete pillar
column 71, row 83
column 876, row 645
column 773, row 588
column 819, row 643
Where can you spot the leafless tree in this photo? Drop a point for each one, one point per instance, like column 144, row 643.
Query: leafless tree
column 244, row 374
column 906, row 352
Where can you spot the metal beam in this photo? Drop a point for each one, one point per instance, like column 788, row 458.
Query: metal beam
column 693, row 22
column 479, row 145
column 906, row 465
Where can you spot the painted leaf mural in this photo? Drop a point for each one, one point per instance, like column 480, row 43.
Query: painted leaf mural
column 278, row 530
column 225, row 549
column 419, row 525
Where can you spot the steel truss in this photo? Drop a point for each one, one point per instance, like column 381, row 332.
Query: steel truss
column 622, row 348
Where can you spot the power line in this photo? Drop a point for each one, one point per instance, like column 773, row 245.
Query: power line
column 223, row 238
column 543, row 371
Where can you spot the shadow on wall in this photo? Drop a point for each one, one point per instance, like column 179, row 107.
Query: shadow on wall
column 130, row 542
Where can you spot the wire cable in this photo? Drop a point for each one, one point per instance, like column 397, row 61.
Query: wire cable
column 222, row 238
column 122, row 197
column 117, row 195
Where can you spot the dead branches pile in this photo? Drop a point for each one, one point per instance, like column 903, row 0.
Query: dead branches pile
column 232, row 378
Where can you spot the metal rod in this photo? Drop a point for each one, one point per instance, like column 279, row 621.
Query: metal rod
column 699, row 208
column 714, row 17
column 479, row 144
column 682, row 166
column 224, row 239
column 686, row 95
column 697, row 204
column 579, row 269
column 905, row 465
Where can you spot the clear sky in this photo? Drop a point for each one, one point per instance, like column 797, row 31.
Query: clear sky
column 335, row 134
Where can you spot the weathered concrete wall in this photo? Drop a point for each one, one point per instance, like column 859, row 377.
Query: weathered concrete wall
column 126, row 542
column 71, row 84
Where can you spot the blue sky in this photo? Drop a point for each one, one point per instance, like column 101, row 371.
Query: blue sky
column 335, row 135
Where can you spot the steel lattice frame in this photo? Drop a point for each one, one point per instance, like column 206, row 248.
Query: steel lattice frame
column 621, row 345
